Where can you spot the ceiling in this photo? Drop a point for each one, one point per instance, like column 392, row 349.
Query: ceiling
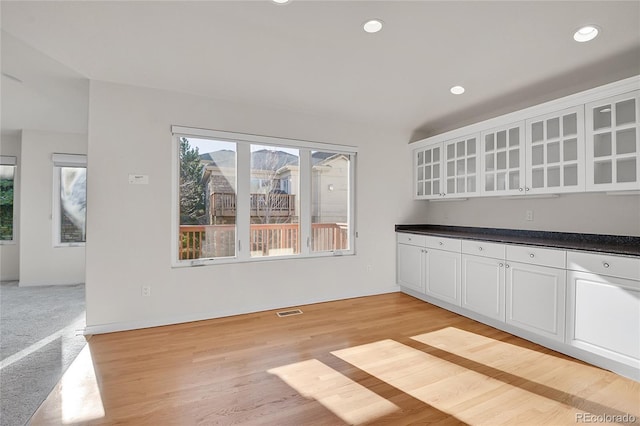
column 313, row 56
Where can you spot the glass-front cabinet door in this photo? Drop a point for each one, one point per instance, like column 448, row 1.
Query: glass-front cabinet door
column 555, row 152
column 612, row 141
column 428, row 162
column 503, row 160
column 461, row 166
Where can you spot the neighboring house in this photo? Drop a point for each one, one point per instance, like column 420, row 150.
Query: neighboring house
column 274, row 187
column 330, row 193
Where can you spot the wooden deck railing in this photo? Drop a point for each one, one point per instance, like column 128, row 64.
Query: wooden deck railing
column 204, row 241
column 275, row 205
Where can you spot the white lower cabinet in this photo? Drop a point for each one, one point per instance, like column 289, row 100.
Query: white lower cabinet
column 442, row 275
column 483, row 285
column 535, row 299
column 581, row 303
column 409, row 266
column 603, row 309
column 410, row 261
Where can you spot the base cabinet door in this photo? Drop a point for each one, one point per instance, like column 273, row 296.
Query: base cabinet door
column 604, row 316
column 536, row 299
column 483, row 286
column 442, row 275
column 410, row 266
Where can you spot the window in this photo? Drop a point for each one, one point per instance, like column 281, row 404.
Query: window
column 69, row 199
column 275, row 213
column 207, row 192
column 330, row 201
column 7, row 179
column 243, row 197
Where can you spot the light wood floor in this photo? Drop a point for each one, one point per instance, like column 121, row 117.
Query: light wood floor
column 388, row 359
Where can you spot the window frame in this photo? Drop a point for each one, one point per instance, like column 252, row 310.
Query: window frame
column 11, row 160
column 243, row 172
column 60, row 161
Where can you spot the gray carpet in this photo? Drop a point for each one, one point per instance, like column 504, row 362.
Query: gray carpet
column 39, row 338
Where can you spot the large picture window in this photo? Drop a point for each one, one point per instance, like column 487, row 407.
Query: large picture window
column 7, row 180
column 69, row 199
column 244, row 197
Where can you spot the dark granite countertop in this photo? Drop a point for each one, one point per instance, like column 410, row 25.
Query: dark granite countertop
column 613, row 244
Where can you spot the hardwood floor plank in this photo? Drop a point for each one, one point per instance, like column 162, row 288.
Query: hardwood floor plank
column 383, row 360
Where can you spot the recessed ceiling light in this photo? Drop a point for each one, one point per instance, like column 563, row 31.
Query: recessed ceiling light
column 281, row 1
column 586, row 33
column 457, row 90
column 373, row 26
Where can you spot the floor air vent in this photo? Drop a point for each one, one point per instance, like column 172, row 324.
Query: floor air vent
column 289, row 313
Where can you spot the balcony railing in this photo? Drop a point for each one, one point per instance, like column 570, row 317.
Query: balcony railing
column 206, row 241
column 274, row 205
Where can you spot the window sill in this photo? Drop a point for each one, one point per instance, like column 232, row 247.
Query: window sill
column 235, row 260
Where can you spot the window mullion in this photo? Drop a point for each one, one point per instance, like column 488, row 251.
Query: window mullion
column 243, row 213
column 305, row 201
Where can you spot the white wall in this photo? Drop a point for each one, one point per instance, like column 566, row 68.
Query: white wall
column 10, row 252
column 40, row 262
column 129, row 226
column 594, row 213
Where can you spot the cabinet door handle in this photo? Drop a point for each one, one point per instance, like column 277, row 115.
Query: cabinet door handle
column 526, row 189
column 501, row 265
column 507, row 266
column 520, row 189
column 531, row 255
column 479, row 248
column 605, row 264
column 441, row 243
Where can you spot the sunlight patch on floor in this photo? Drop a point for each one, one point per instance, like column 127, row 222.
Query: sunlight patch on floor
column 554, row 372
column 514, row 359
column 470, row 396
column 69, row 330
column 352, row 402
column 78, row 390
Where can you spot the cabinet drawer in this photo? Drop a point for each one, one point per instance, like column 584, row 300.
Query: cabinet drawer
column 411, row 239
column 448, row 244
column 604, row 264
column 483, row 248
column 537, row 256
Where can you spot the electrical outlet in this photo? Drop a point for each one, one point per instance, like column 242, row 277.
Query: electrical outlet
column 529, row 215
column 146, row 290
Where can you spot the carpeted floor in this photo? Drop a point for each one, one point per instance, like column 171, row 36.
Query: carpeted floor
column 40, row 335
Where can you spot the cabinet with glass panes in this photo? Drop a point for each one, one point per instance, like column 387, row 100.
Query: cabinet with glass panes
column 503, row 160
column 427, row 172
column 555, row 152
column 612, row 143
column 448, row 169
column 589, row 141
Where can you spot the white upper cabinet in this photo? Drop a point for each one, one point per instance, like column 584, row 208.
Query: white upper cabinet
column 428, row 166
column 462, row 166
column 448, row 169
column 589, row 141
column 503, row 160
column 613, row 147
column 555, row 152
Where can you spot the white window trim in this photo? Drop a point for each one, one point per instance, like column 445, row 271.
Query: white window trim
column 9, row 160
column 243, row 172
column 62, row 160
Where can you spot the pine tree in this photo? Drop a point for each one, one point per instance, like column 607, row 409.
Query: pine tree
column 192, row 202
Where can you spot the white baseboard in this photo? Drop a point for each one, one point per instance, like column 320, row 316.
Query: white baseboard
column 200, row 316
